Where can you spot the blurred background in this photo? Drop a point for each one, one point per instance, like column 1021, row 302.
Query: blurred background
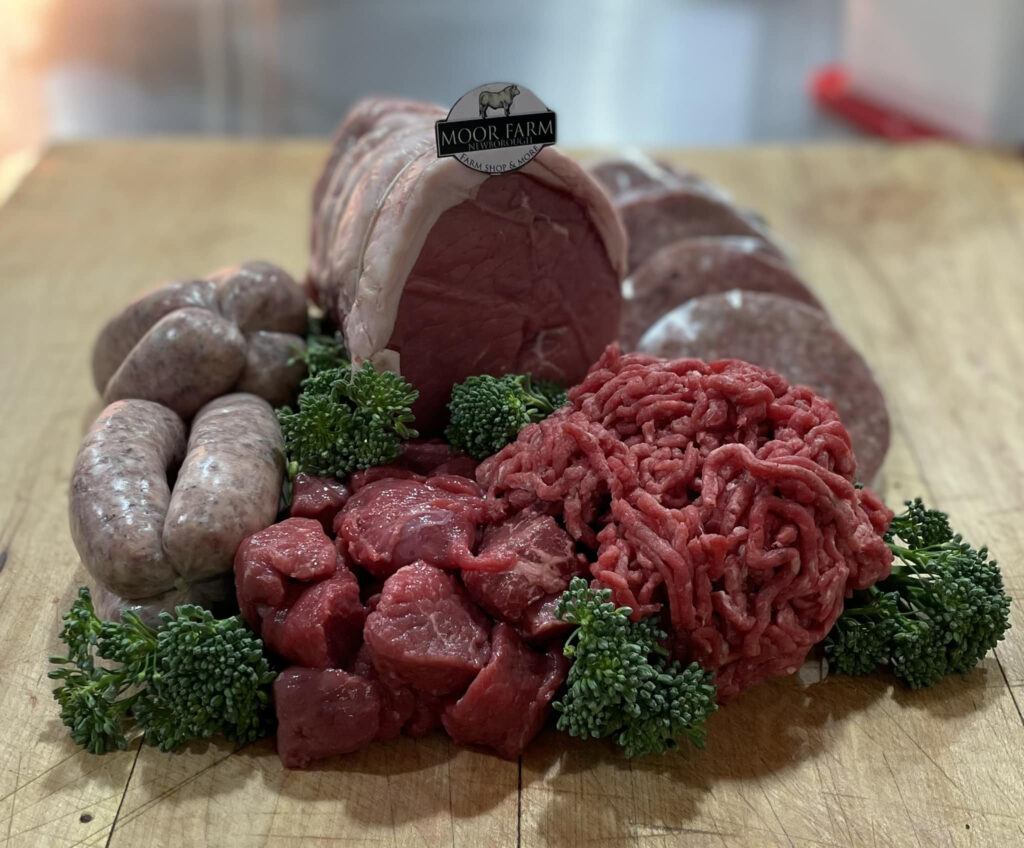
column 648, row 72
column 643, row 72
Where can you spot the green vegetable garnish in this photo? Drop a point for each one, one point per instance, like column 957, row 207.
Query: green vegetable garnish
column 621, row 682
column 939, row 612
column 193, row 677
column 487, row 413
column 321, row 354
column 347, row 420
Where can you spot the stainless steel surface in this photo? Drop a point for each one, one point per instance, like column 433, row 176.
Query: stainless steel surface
column 645, row 72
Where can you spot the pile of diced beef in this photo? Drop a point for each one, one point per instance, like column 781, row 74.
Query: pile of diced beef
column 403, row 604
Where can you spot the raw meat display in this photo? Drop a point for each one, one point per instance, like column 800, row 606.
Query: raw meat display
column 794, row 339
column 425, row 631
column 185, row 343
column 138, row 535
column 660, row 205
column 441, row 272
column 696, row 266
column 299, row 595
column 716, row 493
column 507, row 702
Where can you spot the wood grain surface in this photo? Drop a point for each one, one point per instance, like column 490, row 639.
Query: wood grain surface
column 918, row 252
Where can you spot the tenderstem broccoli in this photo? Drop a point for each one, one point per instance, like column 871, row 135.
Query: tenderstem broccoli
column 322, row 353
column 621, row 682
column 488, row 412
column 192, row 677
column 347, row 419
column 941, row 610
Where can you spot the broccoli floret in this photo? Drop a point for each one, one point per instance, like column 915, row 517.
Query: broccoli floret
column 939, row 612
column 347, row 420
column 191, row 678
column 322, row 353
column 488, row 412
column 621, row 682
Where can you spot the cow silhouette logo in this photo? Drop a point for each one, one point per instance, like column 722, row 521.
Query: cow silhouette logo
column 498, row 99
column 496, row 128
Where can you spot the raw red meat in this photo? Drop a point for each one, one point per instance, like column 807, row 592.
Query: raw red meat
column 443, row 272
column 323, row 712
column 697, row 266
column 319, row 498
column 539, row 624
column 322, row 627
column 295, row 547
column 298, row 595
column 397, row 701
column 795, row 340
column 435, row 458
column 544, row 563
column 660, row 205
column 426, row 632
column 426, row 716
column 507, row 703
column 717, row 492
column 391, row 522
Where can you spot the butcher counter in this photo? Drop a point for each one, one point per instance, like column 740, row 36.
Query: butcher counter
column 916, row 251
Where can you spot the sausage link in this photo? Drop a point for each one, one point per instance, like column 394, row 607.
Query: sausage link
column 187, row 358
column 120, row 495
column 229, row 485
column 257, row 295
column 267, row 370
column 217, row 595
column 122, row 332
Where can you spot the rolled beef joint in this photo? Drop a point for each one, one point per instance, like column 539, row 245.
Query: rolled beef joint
column 120, row 494
column 443, row 272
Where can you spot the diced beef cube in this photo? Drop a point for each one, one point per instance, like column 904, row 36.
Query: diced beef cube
column 295, row 547
column 319, row 498
column 426, row 716
column 397, row 701
column 426, row 632
column 323, row 712
column 433, row 457
column 507, row 703
column 539, row 623
column 391, row 523
column 323, row 627
column 360, row 479
column 544, row 564
column 296, row 592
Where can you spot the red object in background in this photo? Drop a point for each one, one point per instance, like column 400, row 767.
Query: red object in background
column 830, row 89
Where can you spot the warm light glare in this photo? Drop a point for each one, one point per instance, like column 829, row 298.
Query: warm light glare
column 22, row 107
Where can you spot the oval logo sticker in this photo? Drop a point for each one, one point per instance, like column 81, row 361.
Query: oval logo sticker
column 496, row 128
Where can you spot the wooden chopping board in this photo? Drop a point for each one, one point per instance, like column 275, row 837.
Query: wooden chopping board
column 917, row 251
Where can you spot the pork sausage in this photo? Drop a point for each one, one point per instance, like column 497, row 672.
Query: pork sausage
column 270, row 367
column 120, row 493
column 216, row 594
column 257, row 295
column 229, row 485
column 187, row 358
column 123, row 332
